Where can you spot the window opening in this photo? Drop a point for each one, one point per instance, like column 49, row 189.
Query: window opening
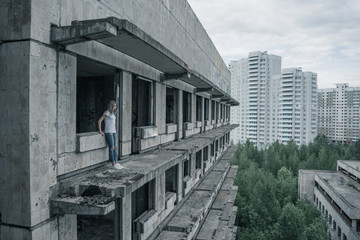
column 171, row 179
column 94, row 90
column 186, row 107
column 198, row 160
column 198, row 108
column 186, row 168
column 170, row 105
column 206, row 109
column 142, row 102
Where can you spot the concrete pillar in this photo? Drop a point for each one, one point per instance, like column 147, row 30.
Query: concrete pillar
column 193, row 109
column 123, row 222
column 179, row 115
column 180, row 170
column 125, row 119
column 159, row 195
column 160, row 107
column 202, row 114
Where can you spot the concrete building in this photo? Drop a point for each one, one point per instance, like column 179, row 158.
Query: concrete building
column 337, row 196
column 239, row 76
column 339, row 113
column 61, row 62
column 250, row 79
column 297, row 106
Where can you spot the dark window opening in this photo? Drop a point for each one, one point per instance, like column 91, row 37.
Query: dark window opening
column 142, row 102
column 186, row 168
column 94, row 90
column 216, row 146
column 213, row 110
column 198, row 160
column 221, row 111
column 334, row 225
column 170, row 105
column 358, row 225
column 93, row 227
column 142, row 200
column 212, row 150
column 198, row 108
column 206, row 153
column 339, row 232
column 206, row 109
column 217, row 110
column 187, row 107
column 171, row 179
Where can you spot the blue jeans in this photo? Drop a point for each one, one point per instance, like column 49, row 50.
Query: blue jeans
column 111, row 140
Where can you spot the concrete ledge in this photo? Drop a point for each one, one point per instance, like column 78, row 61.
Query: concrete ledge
column 82, row 205
column 198, row 124
column 170, row 198
column 171, row 128
column 89, row 141
column 207, row 123
column 147, row 132
column 188, row 126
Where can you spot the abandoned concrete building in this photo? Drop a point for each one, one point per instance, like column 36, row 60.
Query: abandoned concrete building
column 61, row 61
column 337, row 196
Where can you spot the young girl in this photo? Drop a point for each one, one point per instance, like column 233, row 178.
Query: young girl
column 110, row 132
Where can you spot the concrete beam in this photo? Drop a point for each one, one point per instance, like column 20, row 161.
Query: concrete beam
column 209, row 89
column 75, row 34
column 167, row 77
column 82, row 206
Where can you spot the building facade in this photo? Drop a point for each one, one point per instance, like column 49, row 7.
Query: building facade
column 251, row 78
column 297, row 106
column 336, row 195
column 61, row 63
column 339, row 113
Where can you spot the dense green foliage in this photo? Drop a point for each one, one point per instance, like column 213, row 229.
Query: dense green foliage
column 268, row 206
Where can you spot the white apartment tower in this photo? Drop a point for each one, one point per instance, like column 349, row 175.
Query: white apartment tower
column 274, row 104
column 297, row 106
column 239, row 70
column 339, row 113
column 251, row 78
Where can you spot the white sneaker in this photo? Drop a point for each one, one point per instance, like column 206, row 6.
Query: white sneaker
column 118, row 166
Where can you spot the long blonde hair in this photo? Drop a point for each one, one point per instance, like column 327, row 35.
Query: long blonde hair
column 111, row 106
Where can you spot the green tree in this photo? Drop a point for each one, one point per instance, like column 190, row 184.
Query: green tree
column 291, row 223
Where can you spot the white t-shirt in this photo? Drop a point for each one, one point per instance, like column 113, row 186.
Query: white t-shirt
column 110, row 121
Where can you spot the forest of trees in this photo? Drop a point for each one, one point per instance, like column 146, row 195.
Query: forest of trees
column 267, row 198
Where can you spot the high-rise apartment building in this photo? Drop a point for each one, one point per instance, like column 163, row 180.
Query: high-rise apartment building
column 296, row 106
column 239, row 71
column 339, row 113
column 274, row 104
column 251, row 79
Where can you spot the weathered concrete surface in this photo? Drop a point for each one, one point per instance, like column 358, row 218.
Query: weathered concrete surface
column 166, row 235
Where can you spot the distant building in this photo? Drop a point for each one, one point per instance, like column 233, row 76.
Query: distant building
column 274, row 104
column 339, row 113
column 296, row 106
column 337, row 196
column 250, row 79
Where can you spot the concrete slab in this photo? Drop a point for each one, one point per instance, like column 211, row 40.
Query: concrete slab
column 220, row 200
column 227, row 185
column 192, row 212
column 95, row 205
column 221, row 165
column 137, row 171
column 212, row 182
column 232, row 172
column 166, row 235
column 210, row 225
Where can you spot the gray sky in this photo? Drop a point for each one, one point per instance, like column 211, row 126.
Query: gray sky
column 322, row 36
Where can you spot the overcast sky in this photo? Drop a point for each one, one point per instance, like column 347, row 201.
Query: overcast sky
column 322, row 36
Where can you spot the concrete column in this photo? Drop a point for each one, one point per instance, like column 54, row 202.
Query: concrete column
column 202, row 114
column 123, row 222
column 193, row 109
column 160, row 107
column 160, row 192
column 180, row 170
column 179, row 115
column 125, row 109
